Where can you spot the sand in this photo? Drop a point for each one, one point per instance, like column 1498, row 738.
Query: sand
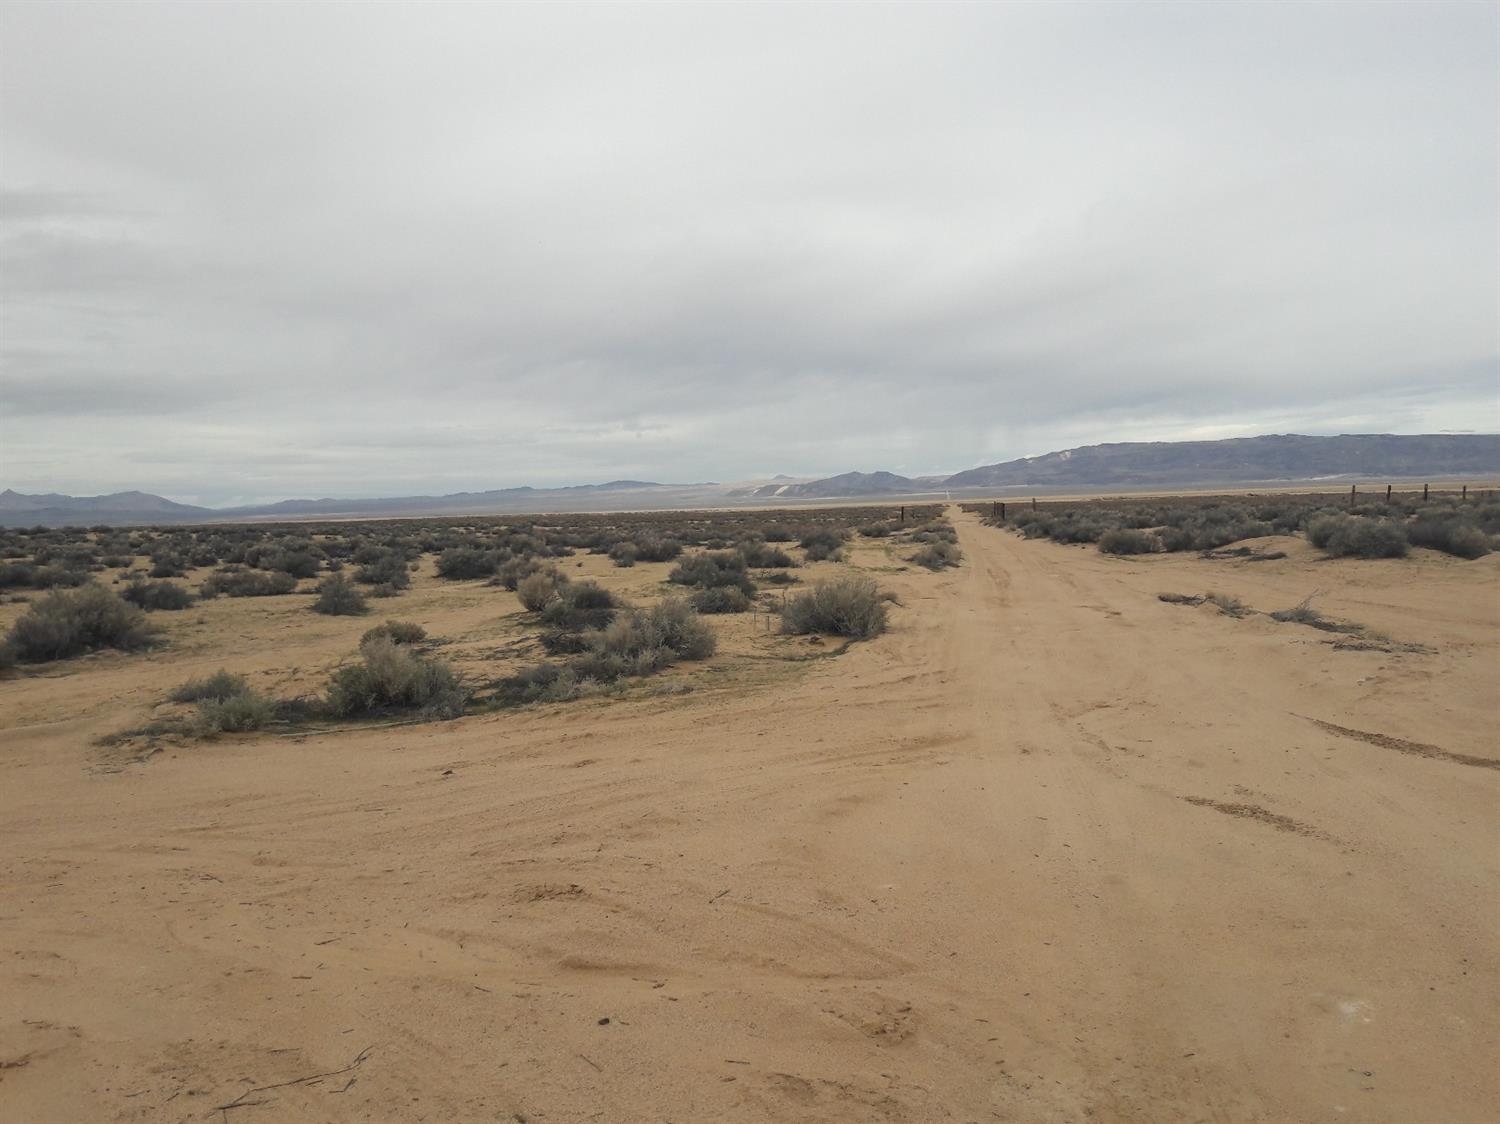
column 1049, row 850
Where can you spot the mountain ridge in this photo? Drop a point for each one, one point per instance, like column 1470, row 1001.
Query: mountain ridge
column 1242, row 461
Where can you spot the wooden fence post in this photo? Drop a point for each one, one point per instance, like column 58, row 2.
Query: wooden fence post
column 1387, row 493
column 1465, row 494
column 1424, row 493
column 1033, row 503
column 1353, row 490
column 1002, row 511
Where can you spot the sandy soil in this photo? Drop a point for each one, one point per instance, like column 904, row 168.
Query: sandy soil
column 1050, row 850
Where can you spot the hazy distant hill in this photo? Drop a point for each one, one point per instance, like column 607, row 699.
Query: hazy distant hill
column 848, row 485
column 1371, row 458
column 1287, row 457
column 17, row 510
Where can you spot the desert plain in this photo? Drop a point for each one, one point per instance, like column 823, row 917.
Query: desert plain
column 1050, row 849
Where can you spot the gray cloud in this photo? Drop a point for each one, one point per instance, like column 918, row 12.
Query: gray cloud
column 253, row 251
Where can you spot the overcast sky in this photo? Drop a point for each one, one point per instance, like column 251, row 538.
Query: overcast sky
column 251, row 251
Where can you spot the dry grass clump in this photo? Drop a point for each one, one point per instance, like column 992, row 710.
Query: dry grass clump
column 851, row 605
column 225, row 705
column 218, row 686
column 237, row 714
column 938, row 555
column 70, row 622
column 637, row 643
column 539, row 589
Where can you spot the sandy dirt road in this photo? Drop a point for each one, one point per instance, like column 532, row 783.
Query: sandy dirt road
column 1050, row 850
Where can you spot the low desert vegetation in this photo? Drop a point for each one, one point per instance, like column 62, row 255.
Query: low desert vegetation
column 938, row 555
column 339, row 597
column 390, row 678
column 850, row 605
column 70, row 622
column 235, row 581
column 637, row 642
column 1370, row 528
column 397, row 632
column 153, row 595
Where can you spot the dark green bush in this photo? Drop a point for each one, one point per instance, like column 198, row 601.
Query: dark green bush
column 1450, row 535
column 1358, row 537
column 652, row 549
column 388, row 569
column 156, row 595
column 462, row 563
column 70, row 622
column 714, row 569
column 338, row 597
column 823, row 543
column 247, row 583
column 579, row 606
column 1123, row 541
column 765, row 557
column 721, row 599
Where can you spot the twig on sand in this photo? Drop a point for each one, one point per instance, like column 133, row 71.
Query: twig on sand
column 241, row 1102
column 717, row 896
column 592, row 1062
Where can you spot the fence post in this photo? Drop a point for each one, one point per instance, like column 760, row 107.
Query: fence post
column 1387, row 493
column 1002, row 511
column 995, row 509
column 903, row 513
column 1353, row 490
column 1424, row 493
column 1033, row 503
column 1465, row 494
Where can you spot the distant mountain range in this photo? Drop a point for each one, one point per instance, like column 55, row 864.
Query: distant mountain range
column 1237, row 462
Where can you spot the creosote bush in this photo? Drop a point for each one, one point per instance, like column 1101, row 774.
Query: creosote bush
column 392, row 678
column 247, row 583
column 70, row 622
column 156, row 594
column 579, row 606
column 823, row 544
column 721, row 599
column 850, row 605
column 1349, row 536
column 1123, row 540
column 397, row 632
column 338, row 597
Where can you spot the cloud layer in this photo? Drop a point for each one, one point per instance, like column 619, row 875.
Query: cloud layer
column 250, row 251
